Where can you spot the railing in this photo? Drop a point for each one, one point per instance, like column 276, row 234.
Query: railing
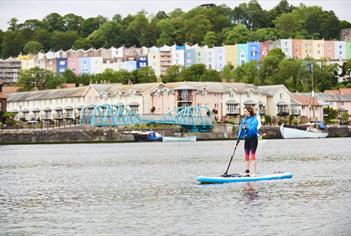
column 233, row 111
column 283, row 111
column 295, row 112
column 188, row 98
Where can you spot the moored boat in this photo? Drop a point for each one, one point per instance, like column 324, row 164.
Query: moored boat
column 179, row 139
column 310, row 130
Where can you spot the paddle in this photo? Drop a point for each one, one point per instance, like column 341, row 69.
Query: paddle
column 231, row 158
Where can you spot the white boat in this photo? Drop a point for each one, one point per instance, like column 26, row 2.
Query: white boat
column 308, row 132
column 179, row 139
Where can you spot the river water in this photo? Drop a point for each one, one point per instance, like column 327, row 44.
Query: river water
column 150, row 189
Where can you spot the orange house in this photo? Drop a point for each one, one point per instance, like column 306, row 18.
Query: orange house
column 297, row 48
column 329, row 50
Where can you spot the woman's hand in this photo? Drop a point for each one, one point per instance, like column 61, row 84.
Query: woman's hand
column 244, row 127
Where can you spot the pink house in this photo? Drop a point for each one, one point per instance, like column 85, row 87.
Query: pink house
column 297, row 48
column 309, row 107
column 329, row 50
column 73, row 64
column 264, row 49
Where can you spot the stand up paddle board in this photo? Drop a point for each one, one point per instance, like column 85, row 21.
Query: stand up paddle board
column 221, row 180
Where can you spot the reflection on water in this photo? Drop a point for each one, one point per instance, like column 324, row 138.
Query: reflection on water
column 150, row 189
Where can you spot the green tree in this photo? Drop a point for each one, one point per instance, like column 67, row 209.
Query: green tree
column 239, row 34
column 53, row 22
column 36, row 78
column 247, row 73
column 12, row 43
column 43, row 37
column 83, row 43
column 210, row 39
column 139, row 26
column 64, row 40
column 91, row 24
column 33, row 47
column 196, row 28
column 166, row 30
column 330, row 114
column 228, row 73
column 13, row 25
column 108, row 35
column 72, row 22
column 32, row 24
column 144, row 75
column 69, row 76
column 211, row 75
column 193, row 73
column 172, row 74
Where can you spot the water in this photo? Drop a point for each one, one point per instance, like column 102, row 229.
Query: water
column 150, row 189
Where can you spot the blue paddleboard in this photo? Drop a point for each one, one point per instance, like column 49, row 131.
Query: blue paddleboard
column 221, row 180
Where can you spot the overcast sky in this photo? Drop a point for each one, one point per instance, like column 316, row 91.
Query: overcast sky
column 38, row 9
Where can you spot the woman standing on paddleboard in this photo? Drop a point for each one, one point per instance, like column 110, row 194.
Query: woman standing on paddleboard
column 248, row 130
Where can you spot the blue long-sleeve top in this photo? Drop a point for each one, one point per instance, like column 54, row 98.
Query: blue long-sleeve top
column 251, row 127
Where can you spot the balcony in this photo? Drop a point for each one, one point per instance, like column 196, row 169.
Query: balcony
column 233, row 111
column 283, row 111
column 295, row 112
column 58, row 117
column 185, row 98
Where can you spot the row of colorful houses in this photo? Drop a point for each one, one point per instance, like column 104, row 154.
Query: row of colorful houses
column 93, row 61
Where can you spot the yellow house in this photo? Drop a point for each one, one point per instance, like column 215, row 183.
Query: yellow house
column 307, row 48
column 231, row 55
column 318, row 49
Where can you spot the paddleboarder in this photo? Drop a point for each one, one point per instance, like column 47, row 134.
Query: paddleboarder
column 248, row 130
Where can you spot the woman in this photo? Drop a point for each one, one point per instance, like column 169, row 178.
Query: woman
column 248, row 130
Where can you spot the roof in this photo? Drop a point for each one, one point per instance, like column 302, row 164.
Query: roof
column 306, row 100
column 345, row 91
column 272, row 89
column 46, row 94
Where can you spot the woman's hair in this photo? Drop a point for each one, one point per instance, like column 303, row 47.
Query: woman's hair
column 250, row 110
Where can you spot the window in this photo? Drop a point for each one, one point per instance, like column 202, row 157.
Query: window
column 135, row 108
column 281, row 96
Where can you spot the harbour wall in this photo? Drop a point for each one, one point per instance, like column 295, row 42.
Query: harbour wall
column 104, row 135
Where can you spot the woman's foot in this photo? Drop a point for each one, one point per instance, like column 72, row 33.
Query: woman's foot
column 247, row 173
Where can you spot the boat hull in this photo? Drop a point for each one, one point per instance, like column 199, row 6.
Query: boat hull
column 179, row 139
column 296, row 133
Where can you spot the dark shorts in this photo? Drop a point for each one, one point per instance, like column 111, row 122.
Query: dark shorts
column 251, row 145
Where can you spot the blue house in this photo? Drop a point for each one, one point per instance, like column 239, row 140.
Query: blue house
column 253, row 51
column 243, row 56
column 141, row 62
column 189, row 57
column 84, row 65
column 61, row 65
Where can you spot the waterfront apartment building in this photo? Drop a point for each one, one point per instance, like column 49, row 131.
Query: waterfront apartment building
column 9, row 70
column 225, row 100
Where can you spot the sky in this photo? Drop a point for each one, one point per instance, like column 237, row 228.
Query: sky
column 38, row 9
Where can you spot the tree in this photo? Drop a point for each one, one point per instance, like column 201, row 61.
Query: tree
column 288, row 24
column 91, row 24
column 33, row 47
column 69, row 76
column 210, row 39
column 228, row 73
column 13, row 26
column 139, row 26
column 144, row 75
column 53, row 22
column 108, row 35
column 211, row 75
column 32, row 24
column 330, row 114
column 166, row 30
column 36, row 78
column 282, row 7
column 193, row 73
column 72, row 22
column 196, row 28
column 239, row 34
column 12, row 44
column 172, row 74
column 43, row 37
column 64, row 40
column 83, row 43
column 247, row 73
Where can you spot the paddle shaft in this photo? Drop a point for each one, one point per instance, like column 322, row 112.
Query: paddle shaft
column 231, row 158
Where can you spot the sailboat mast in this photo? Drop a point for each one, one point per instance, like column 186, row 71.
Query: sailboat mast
column 310, row 68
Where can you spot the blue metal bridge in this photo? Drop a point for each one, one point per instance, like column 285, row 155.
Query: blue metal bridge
column 193, row 118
